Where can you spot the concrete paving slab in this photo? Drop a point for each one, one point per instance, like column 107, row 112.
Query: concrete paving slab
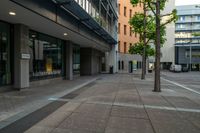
column 78, row 121
column 39, row 129
column 182, row 102
column 108, row 99
column 128, row 125
column 127, row 98
column 129, row 112
column 155, row 100
column 59, row 130
column 192, row 117
column 94, row 110
column 170, row 122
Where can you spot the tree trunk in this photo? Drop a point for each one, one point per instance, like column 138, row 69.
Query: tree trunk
column 157, row 87
column 144, row 50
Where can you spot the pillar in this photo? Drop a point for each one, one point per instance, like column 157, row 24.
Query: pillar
column 68, row 60
column 21, row 56
column 111, row 59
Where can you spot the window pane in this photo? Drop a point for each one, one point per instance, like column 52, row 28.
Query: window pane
column 46, row 56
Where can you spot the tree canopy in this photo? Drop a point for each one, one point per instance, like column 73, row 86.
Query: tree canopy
column 137, row 24
column 138, row 49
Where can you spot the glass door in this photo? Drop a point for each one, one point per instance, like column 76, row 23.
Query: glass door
column 5, row 72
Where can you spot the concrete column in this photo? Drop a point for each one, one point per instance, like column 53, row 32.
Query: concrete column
column 111, row 59
column 68, row 60
column 21, row 56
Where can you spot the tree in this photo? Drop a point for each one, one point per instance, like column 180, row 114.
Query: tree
column 152, row 29
column 138, row 48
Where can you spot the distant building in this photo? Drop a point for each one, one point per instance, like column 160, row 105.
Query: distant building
column 167, row 49
column 126, row 37
column 187, row 46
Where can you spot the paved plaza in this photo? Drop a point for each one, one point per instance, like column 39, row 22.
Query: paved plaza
column 119, row 103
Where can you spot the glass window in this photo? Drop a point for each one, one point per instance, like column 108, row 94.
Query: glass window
column 182, row 18
column 181, row 26
column 125, row 29
column 198, row 18
column 119, row 45
column 5, row 70
column 46, row 56
column 76, row 60
column 130, row 14
column 130, row 31
column 124, row 47
column 125, row 11
column 118, row 28
column 119, row 8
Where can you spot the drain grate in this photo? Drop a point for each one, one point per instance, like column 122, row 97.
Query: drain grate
column 78, row 92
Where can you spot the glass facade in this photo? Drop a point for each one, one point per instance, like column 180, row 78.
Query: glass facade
column 99, row 13
column 46, row 56
column 5, row 70
column 76, row 60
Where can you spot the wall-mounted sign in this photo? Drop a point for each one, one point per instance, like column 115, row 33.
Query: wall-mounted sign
column 25, row 56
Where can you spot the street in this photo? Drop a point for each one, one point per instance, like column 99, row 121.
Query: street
column 189, row 79
column 119, row 103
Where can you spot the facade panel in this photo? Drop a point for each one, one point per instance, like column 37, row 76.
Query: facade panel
column 186, row 43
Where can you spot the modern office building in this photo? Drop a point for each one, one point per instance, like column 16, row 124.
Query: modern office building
column 187, row 45
column 126, row 37
column 45, row 39
column 167, row 49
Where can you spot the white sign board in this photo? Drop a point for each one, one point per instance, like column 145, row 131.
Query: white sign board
column 25, row 56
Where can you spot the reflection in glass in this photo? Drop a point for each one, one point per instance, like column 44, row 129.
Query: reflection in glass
column 76, row 60
column 46, row 56
column 5, row 71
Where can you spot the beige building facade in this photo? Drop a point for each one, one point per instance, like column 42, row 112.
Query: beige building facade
column 126, row 38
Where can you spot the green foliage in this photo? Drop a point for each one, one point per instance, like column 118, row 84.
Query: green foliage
column 150, row 3
column 138, row 27
column 137, row 48
column 196, row 34
column 137, row 24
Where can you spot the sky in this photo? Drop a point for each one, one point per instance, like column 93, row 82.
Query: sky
column 187, row 2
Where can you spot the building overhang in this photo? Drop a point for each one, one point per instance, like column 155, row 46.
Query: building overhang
column 79, row 13
column 40, row 23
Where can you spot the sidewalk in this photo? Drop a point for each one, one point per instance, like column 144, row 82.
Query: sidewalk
column 119, row 103
column 17, row 104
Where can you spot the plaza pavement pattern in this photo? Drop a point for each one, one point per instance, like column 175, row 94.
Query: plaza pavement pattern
column 119, row 103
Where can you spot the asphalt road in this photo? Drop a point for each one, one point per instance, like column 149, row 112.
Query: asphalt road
column 189, row 80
